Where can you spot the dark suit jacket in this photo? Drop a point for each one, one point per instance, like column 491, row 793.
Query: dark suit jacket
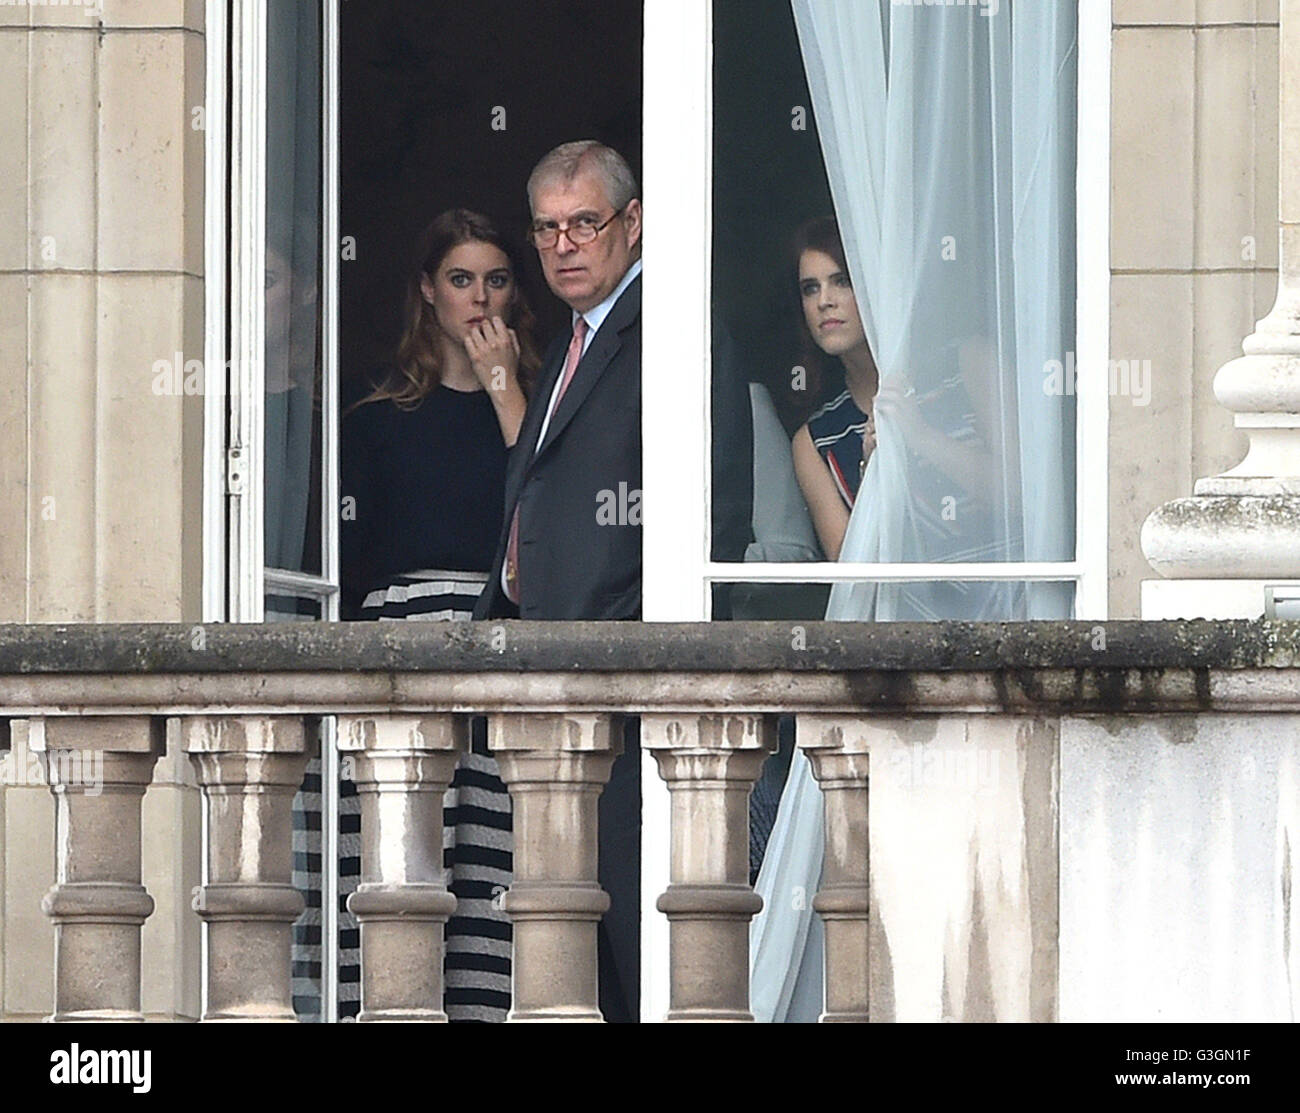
column 579, row 496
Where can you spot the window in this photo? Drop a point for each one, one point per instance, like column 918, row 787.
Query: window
column 300, row 579
column 764, row 126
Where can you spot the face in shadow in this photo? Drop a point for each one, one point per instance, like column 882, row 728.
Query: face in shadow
column 291, row 324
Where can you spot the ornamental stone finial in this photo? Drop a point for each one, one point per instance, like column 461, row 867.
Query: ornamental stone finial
column 1245, row 523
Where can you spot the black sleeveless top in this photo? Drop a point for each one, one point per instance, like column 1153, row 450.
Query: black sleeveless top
column 421, row 488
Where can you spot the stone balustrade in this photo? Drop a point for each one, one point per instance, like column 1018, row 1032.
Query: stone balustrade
column 1008, row 851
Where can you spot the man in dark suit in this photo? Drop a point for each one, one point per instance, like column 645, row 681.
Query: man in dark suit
column 570, row 545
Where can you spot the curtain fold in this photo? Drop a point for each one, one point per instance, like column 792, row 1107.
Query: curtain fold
column 948, row 137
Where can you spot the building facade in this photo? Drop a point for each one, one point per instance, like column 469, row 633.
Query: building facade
column 127, row 309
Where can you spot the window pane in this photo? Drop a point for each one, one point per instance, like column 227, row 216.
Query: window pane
column 795, row 602
column 291, row 608
column 293, row 220
column 894, row 291
column 770, row 602
column 768, row 177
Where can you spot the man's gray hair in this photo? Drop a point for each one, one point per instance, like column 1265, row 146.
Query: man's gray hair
column 569, row 160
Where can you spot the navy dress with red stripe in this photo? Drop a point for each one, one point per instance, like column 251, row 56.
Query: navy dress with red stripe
column 837, row 431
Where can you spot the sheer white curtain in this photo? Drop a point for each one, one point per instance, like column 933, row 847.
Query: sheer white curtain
column 948, row 136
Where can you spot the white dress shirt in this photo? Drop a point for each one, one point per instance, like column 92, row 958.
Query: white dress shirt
column 595, row 317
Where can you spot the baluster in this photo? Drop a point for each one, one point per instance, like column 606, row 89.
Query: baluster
column 98, row 770
column 402, row 767
column 249, row 768
column 555, row 767
column 710, row 763
column 837, row 749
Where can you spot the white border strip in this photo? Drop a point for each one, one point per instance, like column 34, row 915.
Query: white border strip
column 247, row 302
column 329, row 754
column 676, row 308
column 215, row 385
column 278, row 581
column 215, row 228
column 822, row 573
column 330, row 246
column 1092, row 544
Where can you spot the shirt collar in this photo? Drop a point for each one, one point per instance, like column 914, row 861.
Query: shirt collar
column 595, row 317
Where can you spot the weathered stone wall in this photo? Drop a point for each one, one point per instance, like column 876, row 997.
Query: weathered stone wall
column 1067, row 821
column 101, row 277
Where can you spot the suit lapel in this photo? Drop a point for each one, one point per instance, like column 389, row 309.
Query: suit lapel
column 605, row 346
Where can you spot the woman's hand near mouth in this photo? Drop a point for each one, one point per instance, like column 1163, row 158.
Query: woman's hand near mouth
column 493, row 350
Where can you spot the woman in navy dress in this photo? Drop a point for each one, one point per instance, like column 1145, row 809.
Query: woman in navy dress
column 935, row 416
column 423, row 488
column 832, row 447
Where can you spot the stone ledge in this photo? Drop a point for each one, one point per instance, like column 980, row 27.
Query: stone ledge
column 533, row 647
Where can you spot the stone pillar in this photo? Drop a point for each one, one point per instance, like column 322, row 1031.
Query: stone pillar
column 555, row 767
column 98, row 769
column 710, row 763
column 837, row 749
column 402, row 766
column 1244, row 525
column 249, row 768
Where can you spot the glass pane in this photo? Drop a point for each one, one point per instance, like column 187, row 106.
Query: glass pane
column 293, row 608
column 807, row 602
column 894, row 291
column 293, row 229
column 293, row 412
column 768, row 177
column 770, row 602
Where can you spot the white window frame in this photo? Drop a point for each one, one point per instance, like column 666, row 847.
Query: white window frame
column 247, row 580
column 678, row 157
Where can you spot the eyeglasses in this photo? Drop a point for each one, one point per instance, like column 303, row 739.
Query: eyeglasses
column 582, row 231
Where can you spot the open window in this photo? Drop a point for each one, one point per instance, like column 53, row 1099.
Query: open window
column 350, row 126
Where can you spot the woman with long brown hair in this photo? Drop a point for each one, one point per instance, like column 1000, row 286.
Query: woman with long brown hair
column 424, row 452
column 832, row 448
column 423, row 489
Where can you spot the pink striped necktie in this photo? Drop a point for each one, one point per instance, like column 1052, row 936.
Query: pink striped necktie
column 571, row 362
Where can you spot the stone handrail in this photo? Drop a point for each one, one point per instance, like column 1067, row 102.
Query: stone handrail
column 248, row 698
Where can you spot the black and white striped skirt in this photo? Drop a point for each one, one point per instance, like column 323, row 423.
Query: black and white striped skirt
column 476, row 840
